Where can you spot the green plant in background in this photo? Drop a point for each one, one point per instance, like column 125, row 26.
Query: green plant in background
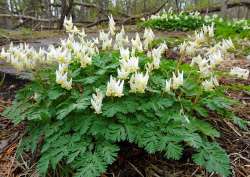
column 234, row 29
column 185, row 21
column 175, row 22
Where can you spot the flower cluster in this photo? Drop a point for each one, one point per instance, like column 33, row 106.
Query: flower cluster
column 168, row 16
column 106, row 40
column 96, row 101
column 175, row 82
column 239, row 72
column 115, row 87
column 148, row 37
column 191, row 21
column 112, row 25
column 121, row 39
column 138, row 82
column 136, row 44
column 156, row 54
column 24, row 57
column 62, row 77
column 78, row 49
column 243, row 24
column 210, row 84
column 206, row 53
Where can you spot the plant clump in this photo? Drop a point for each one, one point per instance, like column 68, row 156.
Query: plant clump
column 88, row 95
column 188, row 21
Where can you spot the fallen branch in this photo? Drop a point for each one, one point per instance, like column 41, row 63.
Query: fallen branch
column 132, row 18
column 93, row 6
column 129, row 19
column 25, row 17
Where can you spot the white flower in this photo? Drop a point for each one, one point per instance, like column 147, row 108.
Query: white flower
column 148, row 37
column 96, row 40
column 61, row 78
column 67, row 84
column 107, row 44
column 163, row 46
column 96, row 101
column 208, row 30
column 191, row 49
column 138, row 82
column 196, row 60
column 85, row 60
column 211, row 30
column 177, row 80
column 120, row 39
column 239, row 72
column 168, row 85
column 106, row 41
column 4, row 54
column 82, row 34
column 156, row 56
column 111, row 25
column 131, row 65
column 62, row 68
column 183, row 47
column 59, row 54
column 115, row 87
column 123, row 30
column 104, row 36
column 210, row 84
column 205, row 68
column 149, row 67
column 215, row 58
column 122, row 73
column 227, row 44
column 68, row 24
column 199, row 37
column 136, row 43
column 124, row 53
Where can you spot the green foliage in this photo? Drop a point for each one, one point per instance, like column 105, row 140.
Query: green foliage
column 234, row 29
column 213, row 158
column 176, row 22
column 73, row 135
column 187, row 22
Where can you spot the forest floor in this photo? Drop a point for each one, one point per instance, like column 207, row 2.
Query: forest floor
column 133, row 161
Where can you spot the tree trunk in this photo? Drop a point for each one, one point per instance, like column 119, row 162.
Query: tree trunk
column 6, row 22
column 177, row 5
column 65, row 11
column 48, row 9
column 224, row 8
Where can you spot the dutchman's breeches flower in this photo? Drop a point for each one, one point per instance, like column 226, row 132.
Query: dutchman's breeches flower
column 96, row 101
column 114, row 87
column 138, row 82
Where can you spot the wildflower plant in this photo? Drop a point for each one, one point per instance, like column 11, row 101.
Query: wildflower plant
column 83, row 102
column 188, row 21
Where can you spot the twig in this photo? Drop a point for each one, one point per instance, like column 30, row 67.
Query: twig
column 239, row 155
column 195, row 171
column 231, row 126
column 136, row 169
